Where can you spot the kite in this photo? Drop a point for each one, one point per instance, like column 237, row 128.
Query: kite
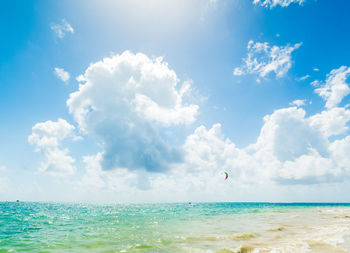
column 226, row 176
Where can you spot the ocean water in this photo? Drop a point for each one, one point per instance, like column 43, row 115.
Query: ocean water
column 178, row 227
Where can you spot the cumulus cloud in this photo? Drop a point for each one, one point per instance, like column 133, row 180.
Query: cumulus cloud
column 336, row 86
column 287, row 135
column 47, row 137
column 291, row 149
column 209, row 150
column 62, row 74
column 331, row 122
column 274, row 3
column 127, row 100
column 298, row 102
column 121, row 180
column 263, row 59
column 124, row 100
column 198, row 174
column 340, row 152
column 80, row 78
column 94, row 173
column 62, row 29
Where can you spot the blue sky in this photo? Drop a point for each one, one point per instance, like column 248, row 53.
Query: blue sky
column 143, row 140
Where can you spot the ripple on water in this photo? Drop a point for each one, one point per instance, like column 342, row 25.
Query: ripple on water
column 203, row 238
column 322, row 247
column 143, row 247
column 279, row 228
column 171, row 228
column 240, row 249
column 244, row 236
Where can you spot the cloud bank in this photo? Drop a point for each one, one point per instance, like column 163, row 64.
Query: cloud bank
column 292, row 149
column 128, row 100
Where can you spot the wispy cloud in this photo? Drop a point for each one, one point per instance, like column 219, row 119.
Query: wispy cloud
column 303, row 78
column 62, row 74
column 263, row 59
column 62, row 29
column 274, row 3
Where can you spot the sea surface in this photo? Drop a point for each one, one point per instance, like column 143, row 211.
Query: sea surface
column 178, row 227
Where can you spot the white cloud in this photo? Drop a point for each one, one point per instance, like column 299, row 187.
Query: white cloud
column 208, row 150
column 331, row 122
column 80, row 78
column 62, row 74
column 93, row 175
column 286, row 135
column 340, row 153
column 298, row 102
column 315, row 83
column 303, row 78
column 2, row 168
column 291, row 149
column 263, row 59
column 316, row 69
column 308, row 169
column 62, row 29
column 47, row 137
column 274, row 3
column 124, row 100
column 336, row 86
column 199, row 174
column 177, row 114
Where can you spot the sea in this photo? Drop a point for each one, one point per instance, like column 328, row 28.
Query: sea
column 175, row 227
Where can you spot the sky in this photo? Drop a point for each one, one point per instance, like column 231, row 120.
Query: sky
column 153, row 101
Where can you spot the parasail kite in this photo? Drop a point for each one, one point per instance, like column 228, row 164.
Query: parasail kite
column 226, row 175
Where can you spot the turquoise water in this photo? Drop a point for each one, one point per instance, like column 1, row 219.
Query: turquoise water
column 182, row 227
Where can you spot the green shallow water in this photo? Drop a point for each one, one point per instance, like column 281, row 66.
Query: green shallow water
column 200, row 227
